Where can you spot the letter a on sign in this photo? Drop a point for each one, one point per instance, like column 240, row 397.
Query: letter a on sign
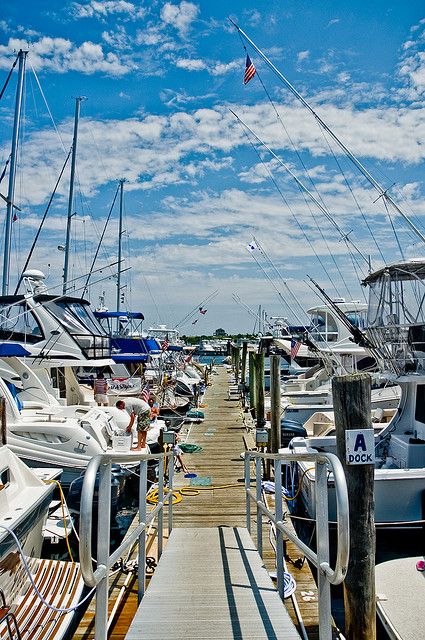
column 360, row 442
column 359, row 446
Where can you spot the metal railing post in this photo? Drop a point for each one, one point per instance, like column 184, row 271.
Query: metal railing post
column 259, row 512
column 160, row 502
column 322, row 541
column 170, row 492
column 143, row 487
column 247, row 486
column 103, row 549
column 327, row 574
column 279, row 535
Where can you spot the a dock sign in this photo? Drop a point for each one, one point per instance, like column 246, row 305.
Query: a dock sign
column 360, row 446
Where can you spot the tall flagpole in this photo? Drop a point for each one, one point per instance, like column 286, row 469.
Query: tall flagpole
column 22, row 55
column 383, row 193
column 71, row 193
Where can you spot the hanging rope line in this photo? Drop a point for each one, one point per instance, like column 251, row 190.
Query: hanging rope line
column 43, row 220
column 15, row 62
column 100, row 241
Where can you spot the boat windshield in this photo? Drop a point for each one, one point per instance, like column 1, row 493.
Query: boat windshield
column 76, row 317
column 17, row 322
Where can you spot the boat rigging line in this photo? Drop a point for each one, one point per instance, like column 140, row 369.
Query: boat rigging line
column 285, row 284
column 196, row 308
column 383, row 193
column 251, row 312
column 323, row 209
column 100, row 240
column 42, row 221
column 15, row 62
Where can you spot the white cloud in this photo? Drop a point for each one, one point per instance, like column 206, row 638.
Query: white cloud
column 303, row 55
column 334, row 21
column 102, row 9
column 180, row 16
column 191, row 64
column 60, row 55
column 213, row 68
column 412, row 65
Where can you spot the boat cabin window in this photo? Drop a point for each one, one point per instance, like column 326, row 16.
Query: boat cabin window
column 420, row 403
column 357, row 318
column 17, row 322
column 4, row 478
column 324, row 328
column 76, row 317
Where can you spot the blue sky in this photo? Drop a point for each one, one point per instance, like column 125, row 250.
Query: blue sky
column 160, row 78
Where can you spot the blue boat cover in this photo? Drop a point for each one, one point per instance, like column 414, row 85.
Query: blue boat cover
column 133, row 315
column 11, row 349
column 129, row 357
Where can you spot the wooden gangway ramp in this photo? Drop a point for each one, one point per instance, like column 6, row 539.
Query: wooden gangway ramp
column 211, row 583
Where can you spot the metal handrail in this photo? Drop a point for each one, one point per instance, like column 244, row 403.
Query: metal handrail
column 326, row 575
column 99, row 578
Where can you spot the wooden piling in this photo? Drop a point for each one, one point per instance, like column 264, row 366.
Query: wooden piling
column 237, row 362
column 252, row 385
column 243, row 364
column 352, row 398
column 275, row 434
column 259, row 384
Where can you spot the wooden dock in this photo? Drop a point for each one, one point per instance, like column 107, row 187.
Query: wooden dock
column 221, row 436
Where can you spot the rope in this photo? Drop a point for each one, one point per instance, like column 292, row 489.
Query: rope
column 62, row 497
column 8, row 77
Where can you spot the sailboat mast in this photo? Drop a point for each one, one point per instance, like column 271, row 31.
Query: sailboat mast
column 71, row 193
column 120, row 252
column 22, row 55
column 383, row 193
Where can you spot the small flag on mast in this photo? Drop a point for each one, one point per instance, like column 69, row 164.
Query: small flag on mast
column 250, row 70
column 165, row 345
column 295, row 347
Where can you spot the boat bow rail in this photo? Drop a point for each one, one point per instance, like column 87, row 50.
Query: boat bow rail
column 326, row 575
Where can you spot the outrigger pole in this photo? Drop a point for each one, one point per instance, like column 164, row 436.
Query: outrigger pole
column 383, row 193
column 323, row 209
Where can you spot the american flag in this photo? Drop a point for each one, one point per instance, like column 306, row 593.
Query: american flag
column 295, row 347
column 145, row 395
column 165, row 345
column 250, row 70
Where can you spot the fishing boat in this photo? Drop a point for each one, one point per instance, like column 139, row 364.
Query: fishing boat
column 396, row 333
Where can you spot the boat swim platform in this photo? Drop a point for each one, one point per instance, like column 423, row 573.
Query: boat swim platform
column 211, row 583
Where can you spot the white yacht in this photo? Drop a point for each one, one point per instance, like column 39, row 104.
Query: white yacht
column 396, row 331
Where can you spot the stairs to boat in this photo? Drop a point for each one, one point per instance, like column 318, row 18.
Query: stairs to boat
column 211, row 583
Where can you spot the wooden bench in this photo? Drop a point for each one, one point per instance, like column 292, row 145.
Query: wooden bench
column 61, row 585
